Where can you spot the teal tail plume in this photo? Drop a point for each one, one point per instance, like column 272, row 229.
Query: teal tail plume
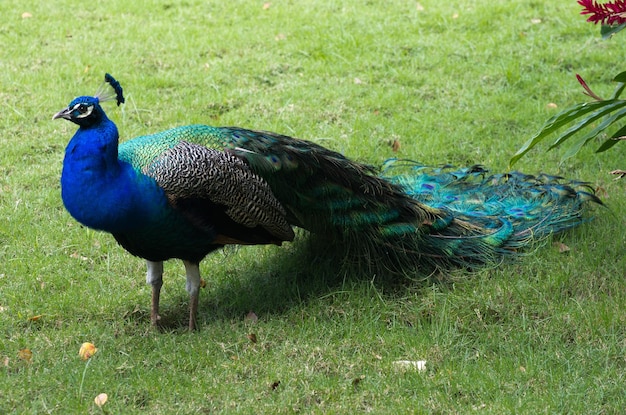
column 482, row 218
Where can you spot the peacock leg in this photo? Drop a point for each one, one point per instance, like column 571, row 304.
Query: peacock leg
column 154, row 277
column 192, row 270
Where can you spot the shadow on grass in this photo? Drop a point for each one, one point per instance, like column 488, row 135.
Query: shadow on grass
column 307, row 269
column 281, row 279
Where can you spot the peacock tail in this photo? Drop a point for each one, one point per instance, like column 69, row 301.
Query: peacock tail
column 187, row 191
column 402, row 217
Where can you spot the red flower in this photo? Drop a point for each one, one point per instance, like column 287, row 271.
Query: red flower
column 611, row 13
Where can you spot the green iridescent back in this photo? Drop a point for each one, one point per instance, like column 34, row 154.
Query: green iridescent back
column 141, row 151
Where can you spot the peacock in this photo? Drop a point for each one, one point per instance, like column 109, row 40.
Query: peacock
column 188, row 191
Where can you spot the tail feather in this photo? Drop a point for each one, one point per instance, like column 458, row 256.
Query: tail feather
column 410, row 215
column 485, row 217
column 456, row 217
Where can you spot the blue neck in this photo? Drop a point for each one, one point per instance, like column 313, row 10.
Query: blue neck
column 99, row 190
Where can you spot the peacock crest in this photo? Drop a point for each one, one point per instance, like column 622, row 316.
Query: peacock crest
column 109, row 90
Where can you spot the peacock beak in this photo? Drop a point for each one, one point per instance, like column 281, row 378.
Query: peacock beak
column 64, row 113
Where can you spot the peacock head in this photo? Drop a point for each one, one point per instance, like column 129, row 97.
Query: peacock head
column 86, row 111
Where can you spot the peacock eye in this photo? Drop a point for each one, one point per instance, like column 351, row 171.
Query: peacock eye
column 82, row 110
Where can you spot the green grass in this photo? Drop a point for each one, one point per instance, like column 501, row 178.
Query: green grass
column 457, row 82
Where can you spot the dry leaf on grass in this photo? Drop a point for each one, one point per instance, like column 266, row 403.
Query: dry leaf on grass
column 25, row 354
column 561, row 247
column 76, row 255
column 395, row 145
column 101, row 399
column 419, row 365
column 356, row 381
column 87, row 350
column 251, row 317
column 620, row 173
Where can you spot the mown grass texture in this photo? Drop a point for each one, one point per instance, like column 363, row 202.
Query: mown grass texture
column 462, row 82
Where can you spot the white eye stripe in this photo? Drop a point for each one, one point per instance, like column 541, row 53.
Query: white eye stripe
column 83, row 110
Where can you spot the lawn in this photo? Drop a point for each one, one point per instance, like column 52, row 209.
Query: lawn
column 282, row 329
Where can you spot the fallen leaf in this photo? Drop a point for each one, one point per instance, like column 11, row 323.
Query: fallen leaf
column 357, row 81
column 5, row 361
column 267, row 5
column 561, row 247
column 619, row 173
column 522, row 369
column 25, row 354
column 101, row 399
column 251, row 318
column 601, row 192
column 419, row 365
column 455, row 16
column 26, row 15
column 87, row 350
column 357, row 380
column 552, row 105
column 395, row 145
column 202, row 283
column 75, row 255
column 35, row 318
column 252, row 337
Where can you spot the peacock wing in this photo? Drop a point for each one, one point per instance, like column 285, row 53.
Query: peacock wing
column 205, row 183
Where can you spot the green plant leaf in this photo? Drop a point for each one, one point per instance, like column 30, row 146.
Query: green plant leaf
column 584, row 139
column 618, row 90
column 557, row 121
column 608, row 31
column 609, row 107
column 620, row 77
column 612, row 141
